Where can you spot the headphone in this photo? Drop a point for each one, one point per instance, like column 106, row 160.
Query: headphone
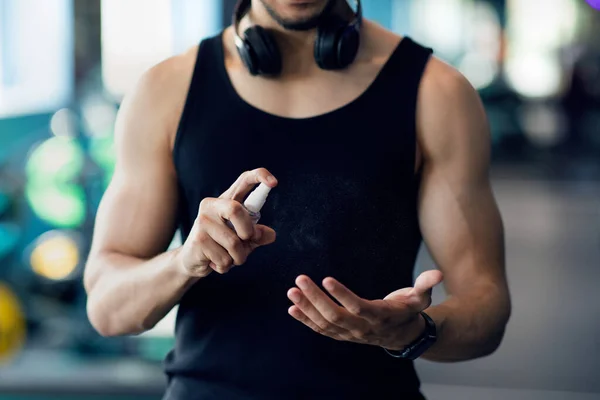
column 335, row 48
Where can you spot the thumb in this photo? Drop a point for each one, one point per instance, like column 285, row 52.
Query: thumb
column 263, row 235
column 418, row 296
column 426, row 281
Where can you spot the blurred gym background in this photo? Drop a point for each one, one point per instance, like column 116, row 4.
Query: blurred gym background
column 65, row 66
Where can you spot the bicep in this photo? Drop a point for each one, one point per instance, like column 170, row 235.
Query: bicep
column 459, row 217
column 462, row 230
column 137, row 214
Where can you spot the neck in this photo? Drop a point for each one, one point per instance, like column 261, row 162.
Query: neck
column 296, row 47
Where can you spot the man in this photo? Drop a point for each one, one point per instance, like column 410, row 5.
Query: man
column 368, row 148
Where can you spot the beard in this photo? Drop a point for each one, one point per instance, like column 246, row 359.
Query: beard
column 303, row 24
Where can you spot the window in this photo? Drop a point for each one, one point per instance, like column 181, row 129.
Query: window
column 137, row 34
column 35, row 33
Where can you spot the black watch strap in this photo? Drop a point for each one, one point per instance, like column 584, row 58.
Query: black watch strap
column 421, row 344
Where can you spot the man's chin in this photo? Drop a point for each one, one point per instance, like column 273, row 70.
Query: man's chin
column 300, row 26
column 309, row 21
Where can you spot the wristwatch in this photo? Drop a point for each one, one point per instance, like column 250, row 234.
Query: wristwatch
column 420, row 345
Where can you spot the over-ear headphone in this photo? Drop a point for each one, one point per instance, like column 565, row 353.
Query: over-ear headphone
column 336, row 45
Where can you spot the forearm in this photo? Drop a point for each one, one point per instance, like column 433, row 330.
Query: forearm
column 469, row 326
column 129, row 296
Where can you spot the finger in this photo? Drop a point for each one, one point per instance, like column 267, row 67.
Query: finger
column 263, row 235
column 234, row 212
column 309, row 310
column 426, row 281
column 295, row 312
column 326, row 306
column 219, row 258
column 353, row 303
column 228, row 240
column 228, row 210
column 246, row 182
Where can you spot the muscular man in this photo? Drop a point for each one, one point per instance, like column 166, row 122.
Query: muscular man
column 369, row 153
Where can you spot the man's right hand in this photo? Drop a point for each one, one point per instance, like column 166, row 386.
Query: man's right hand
column 211, row 244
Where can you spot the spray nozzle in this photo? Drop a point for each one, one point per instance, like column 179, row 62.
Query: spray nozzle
column 256, row 200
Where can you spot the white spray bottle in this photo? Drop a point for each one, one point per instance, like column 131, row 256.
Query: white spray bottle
column 256, row 200
column 254, row 203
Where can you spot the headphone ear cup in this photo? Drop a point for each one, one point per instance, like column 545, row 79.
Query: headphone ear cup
column 347, row 47
column 266, row 53
column 326, row 46
column 247, row 56
column 336, row 45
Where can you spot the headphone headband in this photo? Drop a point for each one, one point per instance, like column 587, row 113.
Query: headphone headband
column 358, row 15
column 242, row 6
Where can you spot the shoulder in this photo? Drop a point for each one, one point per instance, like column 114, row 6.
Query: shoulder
column 450, row 114
column 159, row 95
column 450, row 118
column 443, row 82
column 166, row 78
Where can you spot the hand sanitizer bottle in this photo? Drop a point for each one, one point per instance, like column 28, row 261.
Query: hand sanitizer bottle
column 255, row 201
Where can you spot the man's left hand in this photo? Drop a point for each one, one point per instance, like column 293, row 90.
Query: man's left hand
column 392, row 322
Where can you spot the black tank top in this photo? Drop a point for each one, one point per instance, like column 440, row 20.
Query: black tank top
column 345, row 207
